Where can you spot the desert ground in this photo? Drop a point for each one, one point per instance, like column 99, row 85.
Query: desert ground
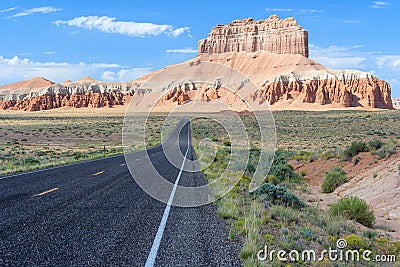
column 312, row 142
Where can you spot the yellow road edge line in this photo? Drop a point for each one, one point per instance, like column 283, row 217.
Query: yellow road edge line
column 98, row 173
column 46, row 192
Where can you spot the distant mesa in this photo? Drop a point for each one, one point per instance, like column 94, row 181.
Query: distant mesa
column 66, row 82
column 86, row 79
column 272, row 52
column 28, row 85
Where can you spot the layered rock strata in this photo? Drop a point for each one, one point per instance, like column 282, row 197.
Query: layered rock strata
column 272, row 35
column 272, row 53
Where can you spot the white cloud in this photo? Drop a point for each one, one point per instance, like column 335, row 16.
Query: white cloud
column 124, row 75
column 186, row 50
column 49, row 52
column 16, row 69
column 179, row 31
column 111, row 25
column 279, row 10
column 388, row 61
column 386, row 67
column 339, row 57
column 379, row 4
column 8, row 9
column 351, row 21
column 43, row 10
column 310, row 11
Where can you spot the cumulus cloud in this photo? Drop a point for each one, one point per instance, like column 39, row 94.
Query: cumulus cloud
column 16, row 69
column 379, row 4
column 124, row 75
column 111, row 25
column 43, row 10
column 339, row 57
column 186, row 50
column 385, row 67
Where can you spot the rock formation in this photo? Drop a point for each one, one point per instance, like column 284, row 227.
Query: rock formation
column 84, row 93
column 273, row 53
column 271, row 35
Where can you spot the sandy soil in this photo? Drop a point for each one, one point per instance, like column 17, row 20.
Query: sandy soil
column 375, row 181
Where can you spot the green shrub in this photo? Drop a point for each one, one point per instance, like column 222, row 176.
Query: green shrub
column 355, row 148
column 355, row 242
column 227, row 143
column 31, row 161
column 385, row 246
column 335, row 178
column 385, row 152
column 375, row 144
column 281, row 169
column 278, row 195
column 353, row 208
column 356, row 160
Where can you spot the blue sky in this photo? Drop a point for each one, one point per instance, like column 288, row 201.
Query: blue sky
column 120, row 40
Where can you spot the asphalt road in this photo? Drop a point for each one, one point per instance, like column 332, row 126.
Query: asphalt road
column 94, row 214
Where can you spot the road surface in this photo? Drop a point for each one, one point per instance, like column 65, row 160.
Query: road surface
column 94, row 214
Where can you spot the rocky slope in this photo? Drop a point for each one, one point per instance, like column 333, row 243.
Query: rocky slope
column 86, row 92
column 283, row 74
column 271, row 35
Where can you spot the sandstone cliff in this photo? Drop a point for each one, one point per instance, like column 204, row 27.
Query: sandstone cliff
column 86, row 92
column 271, row 35
column 272, row 53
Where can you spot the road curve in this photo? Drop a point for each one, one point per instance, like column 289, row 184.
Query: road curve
column 94, row 214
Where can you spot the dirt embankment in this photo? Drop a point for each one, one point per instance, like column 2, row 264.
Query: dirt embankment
column 375, row 181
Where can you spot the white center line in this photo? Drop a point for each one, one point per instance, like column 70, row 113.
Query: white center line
column 157, row 240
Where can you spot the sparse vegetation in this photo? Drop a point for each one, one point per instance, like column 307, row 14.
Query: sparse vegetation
column 333, row 179
column 354, row 208
column 280, row 223
column 31, row 141
column 278, row 195
column 355, row 148
column 37, row 140
column 281, row 171
column 386, row 151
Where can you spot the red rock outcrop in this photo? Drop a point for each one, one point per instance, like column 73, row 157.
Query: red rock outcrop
column 366, row 92
column 271, row 35
column 273, row 53
column 50, row 101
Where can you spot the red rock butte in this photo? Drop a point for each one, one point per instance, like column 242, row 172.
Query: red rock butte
column 272, row 35
column 273, row 53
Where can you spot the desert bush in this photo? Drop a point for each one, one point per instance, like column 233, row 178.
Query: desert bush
column 356, row 160
column 355, row 242
column 386, row 246
column 375, row 144
column 281, row 169
column 355, row 148
column 278, row 195
column 385, row 152
column 353, row 208
column 335, row 178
